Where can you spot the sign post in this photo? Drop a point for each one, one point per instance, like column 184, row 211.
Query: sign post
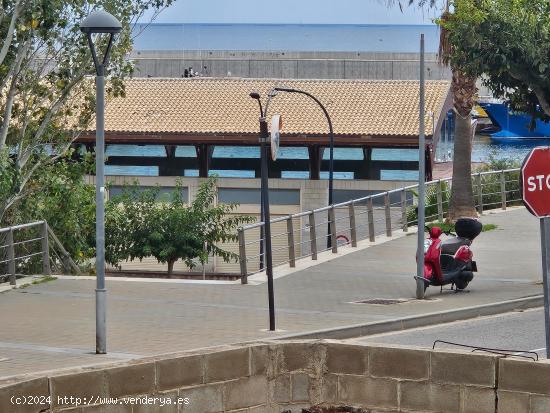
column 535, row 190
column 545, row 245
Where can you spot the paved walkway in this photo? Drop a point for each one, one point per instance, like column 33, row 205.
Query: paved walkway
column 51, row 325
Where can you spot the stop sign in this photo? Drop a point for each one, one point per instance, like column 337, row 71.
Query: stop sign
column 535, row 182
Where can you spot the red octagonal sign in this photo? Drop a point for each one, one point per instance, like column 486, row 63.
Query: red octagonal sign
column 535, row 182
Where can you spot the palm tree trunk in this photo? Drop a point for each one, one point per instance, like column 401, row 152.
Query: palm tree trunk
column 462, row 197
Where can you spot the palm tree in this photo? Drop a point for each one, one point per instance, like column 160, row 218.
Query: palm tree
column 464, row 90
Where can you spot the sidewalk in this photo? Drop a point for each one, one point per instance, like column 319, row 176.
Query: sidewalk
column 52, row 326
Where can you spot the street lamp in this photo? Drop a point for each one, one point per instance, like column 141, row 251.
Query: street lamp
column 100, row 23
column 264, row 155
column 331, row 162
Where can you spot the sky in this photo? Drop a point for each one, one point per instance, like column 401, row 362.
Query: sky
column 292, row 11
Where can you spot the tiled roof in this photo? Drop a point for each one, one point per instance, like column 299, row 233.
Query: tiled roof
column 223, row 106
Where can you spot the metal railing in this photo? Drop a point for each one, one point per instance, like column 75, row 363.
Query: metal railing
column 304, row 235
column 28, row 246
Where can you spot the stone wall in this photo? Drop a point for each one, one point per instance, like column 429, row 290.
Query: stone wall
column 272, row 377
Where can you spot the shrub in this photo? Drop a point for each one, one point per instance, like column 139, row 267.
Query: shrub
column 431, row 202
column 139, row 226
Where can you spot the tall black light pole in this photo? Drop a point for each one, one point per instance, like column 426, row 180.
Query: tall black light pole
column 100, row 23
column 331, row 162
column 264, row 155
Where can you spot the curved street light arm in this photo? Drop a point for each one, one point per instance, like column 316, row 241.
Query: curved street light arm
column 291, row 90
column 331, row 133
column 272, row 93
column 331, row 161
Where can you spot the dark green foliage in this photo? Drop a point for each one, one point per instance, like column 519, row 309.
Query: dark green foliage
column 60, row 196
column 450, row 227
column 45, row 103
column 492, row 186
column 139, row 226
column 490, row 183
column 431, row 202
column 508, row 43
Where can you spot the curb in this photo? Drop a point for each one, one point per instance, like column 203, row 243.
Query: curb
column 147, row 280
column 406, row 323
column 20, row 282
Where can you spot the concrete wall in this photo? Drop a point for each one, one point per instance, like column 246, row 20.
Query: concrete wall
column 313, row 194
column 287, row 65
column 291, row 65
column 272, row 377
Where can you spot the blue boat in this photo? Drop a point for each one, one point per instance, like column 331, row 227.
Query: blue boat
column 514, row 125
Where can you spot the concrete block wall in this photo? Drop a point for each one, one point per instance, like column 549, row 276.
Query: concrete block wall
column 287, row 65
column 523, row 386
column 275, row 376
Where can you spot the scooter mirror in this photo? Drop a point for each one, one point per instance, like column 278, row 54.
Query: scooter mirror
column 435, row 232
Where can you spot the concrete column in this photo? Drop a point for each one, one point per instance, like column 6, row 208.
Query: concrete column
column 204, row 157
column 429, row 163
column 170, row 166
column 314, row 195
column 371, row 172
column 364, row 171
column 315, row 161
column 170, row 150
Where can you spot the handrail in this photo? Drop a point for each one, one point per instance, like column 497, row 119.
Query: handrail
column 366, row 198
column 22, row 226
column 388, row 214
column 27, row 248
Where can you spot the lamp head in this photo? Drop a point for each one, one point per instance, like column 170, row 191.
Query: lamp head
column 255, row 95
column 100, row 22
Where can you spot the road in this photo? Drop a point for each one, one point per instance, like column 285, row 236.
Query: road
column 523, row 331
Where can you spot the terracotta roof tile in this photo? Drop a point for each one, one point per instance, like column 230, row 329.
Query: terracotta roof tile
column 223, row 106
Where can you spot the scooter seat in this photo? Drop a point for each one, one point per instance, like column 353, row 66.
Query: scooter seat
column 451, row 246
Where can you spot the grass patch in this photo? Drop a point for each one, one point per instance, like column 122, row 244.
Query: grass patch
column 39, row 281
column 44, row 280
column 450, row 227
column 489, row 227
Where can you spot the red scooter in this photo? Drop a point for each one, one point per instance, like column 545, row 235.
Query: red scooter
column 451, row 261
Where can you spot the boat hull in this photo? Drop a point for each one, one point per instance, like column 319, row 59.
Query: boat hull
column 514, row 125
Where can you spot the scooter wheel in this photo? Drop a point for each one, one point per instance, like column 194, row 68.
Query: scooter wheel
column 461, row 284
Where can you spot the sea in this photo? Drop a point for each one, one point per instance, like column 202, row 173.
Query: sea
column 299, row 37
column 286, row 37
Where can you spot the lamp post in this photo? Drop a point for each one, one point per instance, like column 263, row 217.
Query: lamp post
column 331, row 161
column 420, row 280
column 264, row 155
column 100, row 23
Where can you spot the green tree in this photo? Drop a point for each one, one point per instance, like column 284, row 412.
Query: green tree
column 128, row 220
column 141, row 226
column 60, row 196
column 463, row 87
column 45, row 100
column 507, row 43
